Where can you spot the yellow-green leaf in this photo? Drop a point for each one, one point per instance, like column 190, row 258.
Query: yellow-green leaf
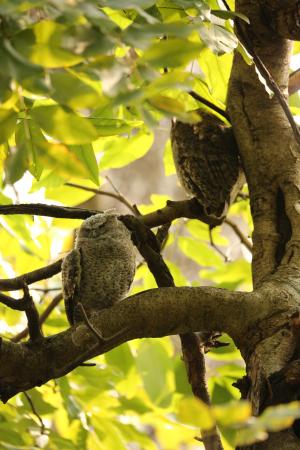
column 72, row 91
column 172, row 52
column 86, row 155
column 43, row 45
column 194, row 412
column 123, row 150
column 64, row 126
column 232, row 413
column 8, row 120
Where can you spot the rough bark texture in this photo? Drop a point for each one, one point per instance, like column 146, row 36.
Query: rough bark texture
column 270, row 158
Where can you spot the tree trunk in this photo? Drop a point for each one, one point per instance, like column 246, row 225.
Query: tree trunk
column 270, row 156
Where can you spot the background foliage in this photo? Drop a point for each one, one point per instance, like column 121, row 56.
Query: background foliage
column 83, row 87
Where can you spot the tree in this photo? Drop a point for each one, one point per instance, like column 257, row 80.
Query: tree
column 83, row 86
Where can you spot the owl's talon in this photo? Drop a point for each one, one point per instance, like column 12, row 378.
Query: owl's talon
column 100, row 337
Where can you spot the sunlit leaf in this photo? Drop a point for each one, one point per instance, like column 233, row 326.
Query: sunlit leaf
column 151, row 354
column 43, row 45
column 199, row 252
column 111, row 127
column 72, row 91
column 194, row 412
column 232, row 413
column 276, row 418
column 172, row 53
column 8, row 120
column 63, row 125
column 86, row 155
column 124, row 150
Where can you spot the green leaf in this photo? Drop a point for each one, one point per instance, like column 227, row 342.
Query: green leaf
column 86, row 155
column 9, row 436
column 40, row 404
column 72, row 91
column 276, row 418
column 230, row 275
column 67, row 127
column 232, row 413
column 120, row 357
column 179, row 278
column 199, row 252
column 111, row 127
column 194, row 412
column 72, row 407
column 8, row 121
column 122, row 151
column 43, row 45
column 217, row 71
column 172, row 52
column 169, row 105
column 222, row 391
column 139, row 35
column 30, row 141
column 128, row 4
column 67, row 162
column 229, row 15
column 182, row 384
column 218, row 39
column 19, row 157
column 152, row 354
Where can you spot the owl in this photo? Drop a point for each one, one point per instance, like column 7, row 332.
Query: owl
column 207, row 162
column 98, row 272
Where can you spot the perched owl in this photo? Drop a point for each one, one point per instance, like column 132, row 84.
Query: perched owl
column 207, row 162
column 100, row 269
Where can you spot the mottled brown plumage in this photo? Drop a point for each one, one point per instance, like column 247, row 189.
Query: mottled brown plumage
column 207, row 162
column 98, row 272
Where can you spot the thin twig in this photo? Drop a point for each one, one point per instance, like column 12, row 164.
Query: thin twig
column 13, row 284
column 209, row 104
column 240, row 234
column 46, row 290
column 132, row 207
column 211, row 239
column 34, row 411
column 118, row 196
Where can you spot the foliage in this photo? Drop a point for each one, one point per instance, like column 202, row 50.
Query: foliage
column 83, row 87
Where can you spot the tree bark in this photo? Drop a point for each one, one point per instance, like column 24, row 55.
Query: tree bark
column 270, row 156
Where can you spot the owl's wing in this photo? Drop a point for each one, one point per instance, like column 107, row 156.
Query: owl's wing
column 71, row 274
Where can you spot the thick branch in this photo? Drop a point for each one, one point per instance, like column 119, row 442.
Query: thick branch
column 190, row 209
column 154, row 313
column 174, row 210
column 39, row 209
